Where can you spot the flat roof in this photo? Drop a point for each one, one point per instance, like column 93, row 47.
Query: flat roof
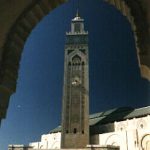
column 112, row 115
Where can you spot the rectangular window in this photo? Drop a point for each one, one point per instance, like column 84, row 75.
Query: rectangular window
column 77, row 27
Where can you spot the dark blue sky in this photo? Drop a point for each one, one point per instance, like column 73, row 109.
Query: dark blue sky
column 115, row 79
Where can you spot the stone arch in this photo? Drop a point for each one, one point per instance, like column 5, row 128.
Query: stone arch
column 145, row 142
column 13, row 39
column 113, row 139
column 138, row 14
column 56, row 145
column 115, row 144
column 24, row 15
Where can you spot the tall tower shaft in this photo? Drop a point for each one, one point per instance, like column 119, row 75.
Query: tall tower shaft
column 75, row 111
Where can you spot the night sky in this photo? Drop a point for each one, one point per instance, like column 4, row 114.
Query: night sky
column 115, row 79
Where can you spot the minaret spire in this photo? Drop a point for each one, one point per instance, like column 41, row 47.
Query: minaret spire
column 77, row 13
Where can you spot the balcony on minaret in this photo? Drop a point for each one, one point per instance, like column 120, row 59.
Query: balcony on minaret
column 77, row 35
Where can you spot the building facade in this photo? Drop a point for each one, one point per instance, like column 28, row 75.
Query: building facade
column 131, row 133
column 75, row 111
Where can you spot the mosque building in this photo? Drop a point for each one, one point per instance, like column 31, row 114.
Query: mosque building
column 124, row 127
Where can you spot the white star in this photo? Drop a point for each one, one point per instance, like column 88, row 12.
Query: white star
column 18, row 106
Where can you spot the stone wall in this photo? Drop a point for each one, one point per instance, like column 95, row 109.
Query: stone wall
column 128, row 135
column 17, row 19
column 99, row 147
column 92, row 147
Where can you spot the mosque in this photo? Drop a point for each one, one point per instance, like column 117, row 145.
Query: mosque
column 116, row 129
column 124, row 127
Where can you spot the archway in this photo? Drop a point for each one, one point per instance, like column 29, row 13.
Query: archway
column 145, row 142
column 28, row 14
column 29, row 18
column 114, row 140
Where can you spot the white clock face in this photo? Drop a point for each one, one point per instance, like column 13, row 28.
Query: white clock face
column 76, row 81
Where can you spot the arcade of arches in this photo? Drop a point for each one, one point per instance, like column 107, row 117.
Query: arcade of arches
column 18, row 18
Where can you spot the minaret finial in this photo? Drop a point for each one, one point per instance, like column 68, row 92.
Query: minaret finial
column 77, row 14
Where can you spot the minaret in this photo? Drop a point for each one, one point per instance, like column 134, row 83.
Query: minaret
column 75, row 111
